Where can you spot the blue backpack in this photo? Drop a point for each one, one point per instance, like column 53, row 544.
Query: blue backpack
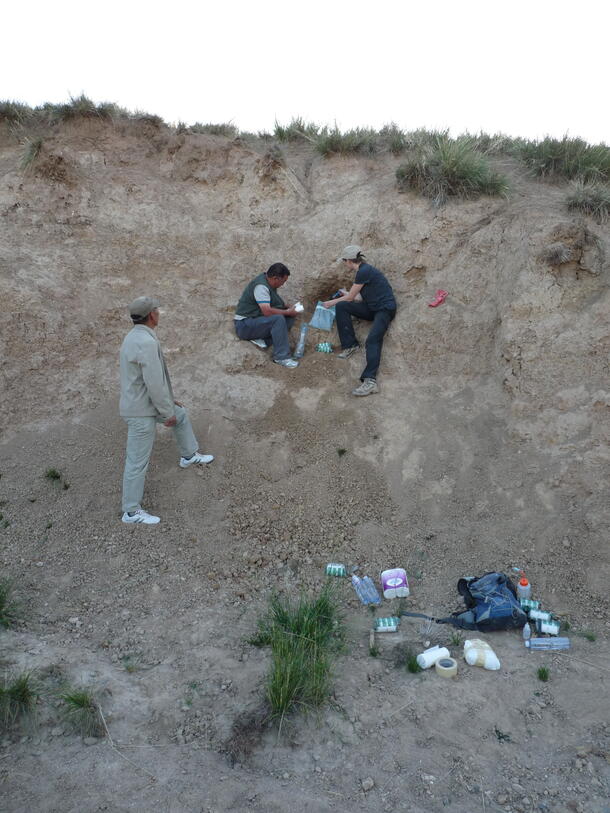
column 491, row 602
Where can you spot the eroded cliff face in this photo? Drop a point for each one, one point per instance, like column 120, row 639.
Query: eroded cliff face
column 516, row 355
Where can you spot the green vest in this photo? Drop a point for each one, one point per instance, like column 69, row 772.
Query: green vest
column 248, row 306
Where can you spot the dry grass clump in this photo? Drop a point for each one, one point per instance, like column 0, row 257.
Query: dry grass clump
column 450, row 168
column 591, row 199
column 566, row 158
column 227, row 130
column 9, row 607
column 556, row 254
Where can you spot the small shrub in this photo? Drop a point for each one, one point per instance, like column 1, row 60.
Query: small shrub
column 360, row 140
column 341, row 452
column 395, row 138
column 147, row 118
column 18, row 698
column 450, row 168
column 374, row 651
column 567, row 158
column 592, row 199
column 297, row 130
column 9, row 608
column 589, row 635
column 227, row 130
column 82, row 712
column 543, row 673
column 31, row 151
column 52, row 474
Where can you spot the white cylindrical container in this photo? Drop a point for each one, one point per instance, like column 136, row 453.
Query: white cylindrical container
column 479, row 653
column 429, row 657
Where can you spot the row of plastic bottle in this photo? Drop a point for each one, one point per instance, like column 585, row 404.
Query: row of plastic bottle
column 543, row 643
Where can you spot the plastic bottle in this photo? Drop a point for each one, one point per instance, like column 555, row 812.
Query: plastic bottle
column 527, row 633
column 366, row 590
column 300, row 348
column 524, row 588
column 479, row 653
column 548, row 643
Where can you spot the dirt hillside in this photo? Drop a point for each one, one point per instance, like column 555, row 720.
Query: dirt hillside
column 486, row 448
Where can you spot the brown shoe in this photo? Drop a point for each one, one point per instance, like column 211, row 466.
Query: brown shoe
column 368, row 387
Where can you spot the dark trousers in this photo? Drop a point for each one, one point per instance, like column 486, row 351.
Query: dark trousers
column 274, row 329
column 374, row 341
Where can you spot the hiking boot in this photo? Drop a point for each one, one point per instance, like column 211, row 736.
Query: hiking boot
column 259, row 343
column 140, row 517
column 287, row 362
column 197, row 458
column 368, row 387
column 345, row 354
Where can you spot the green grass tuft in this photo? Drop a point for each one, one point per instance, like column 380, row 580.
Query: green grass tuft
column 591, row 199
column 14, row 112
column 31, row 151
column 18, row 698
column 297, row 130
column 82, row 712
column 412, row 665
column 302, row 637
column 360, row 140
column 79, row 107
column 52, row 474
column 566, row 158
column 589, row 635
column 9, row 608
column 543, row 673
column 450, row 168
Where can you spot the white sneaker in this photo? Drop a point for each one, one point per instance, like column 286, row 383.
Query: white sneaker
column 140, row 517
column 198, row 458
column 287, row 362
column 259, row 343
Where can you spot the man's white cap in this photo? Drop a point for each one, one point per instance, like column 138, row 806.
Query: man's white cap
column 350, row 253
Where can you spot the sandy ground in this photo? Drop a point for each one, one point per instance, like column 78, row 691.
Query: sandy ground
column 486, row 448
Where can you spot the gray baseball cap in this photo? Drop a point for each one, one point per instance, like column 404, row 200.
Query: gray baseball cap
column 142, row 306
column 350, row 253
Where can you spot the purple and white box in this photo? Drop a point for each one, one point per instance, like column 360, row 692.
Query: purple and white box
column 394, row 583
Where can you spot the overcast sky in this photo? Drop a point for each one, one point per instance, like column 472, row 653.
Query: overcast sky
column 526, row 68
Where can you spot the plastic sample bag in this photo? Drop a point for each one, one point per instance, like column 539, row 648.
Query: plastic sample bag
column 322, row 318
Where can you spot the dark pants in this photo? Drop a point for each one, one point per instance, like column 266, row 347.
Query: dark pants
column 374, row 341
column 274, row 329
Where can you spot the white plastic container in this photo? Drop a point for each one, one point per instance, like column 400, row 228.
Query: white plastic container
column 524, row 588
column 429, row 657
column 479, row 653
column 394, row 583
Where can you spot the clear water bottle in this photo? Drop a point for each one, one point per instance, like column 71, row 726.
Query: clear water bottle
column 548, row 643
column 366, row 590
column 527, row 633
column 300, row 348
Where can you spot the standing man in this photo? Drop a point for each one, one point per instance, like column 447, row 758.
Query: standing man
column 262, row 317
column 377, row 306
column 146, row 400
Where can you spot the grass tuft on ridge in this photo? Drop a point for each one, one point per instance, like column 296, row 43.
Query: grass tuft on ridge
column 450, row 168
column 566, row 158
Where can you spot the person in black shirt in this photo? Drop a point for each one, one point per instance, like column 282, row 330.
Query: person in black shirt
column 376, row 305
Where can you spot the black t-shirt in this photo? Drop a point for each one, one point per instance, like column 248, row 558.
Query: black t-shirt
column 376, row 291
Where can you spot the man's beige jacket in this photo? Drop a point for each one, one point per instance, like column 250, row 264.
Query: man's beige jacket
column 146, row 390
